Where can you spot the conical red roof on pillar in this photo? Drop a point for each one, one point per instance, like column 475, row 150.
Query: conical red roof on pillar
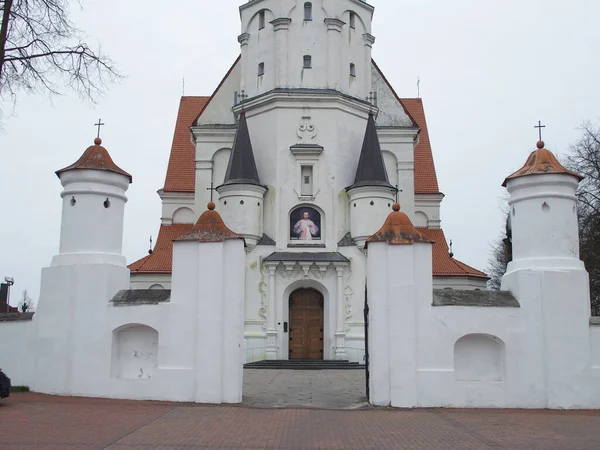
column 210, row 228
column 95, row 157
column 398, row 230
column 541, row 162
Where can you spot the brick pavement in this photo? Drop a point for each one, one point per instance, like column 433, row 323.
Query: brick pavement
column 31, row 421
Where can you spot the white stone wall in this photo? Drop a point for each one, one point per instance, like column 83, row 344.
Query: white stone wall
column 17, row 349
column 595, row 344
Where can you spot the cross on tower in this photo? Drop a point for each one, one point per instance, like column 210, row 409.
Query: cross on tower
column 539, row 126
column 397, row 193
column 99, row 124
column 211, row 189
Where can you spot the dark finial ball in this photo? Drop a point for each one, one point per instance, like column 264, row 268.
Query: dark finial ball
column 97, row 141
column 540, row 144
column 211, row 206
column 396, row 206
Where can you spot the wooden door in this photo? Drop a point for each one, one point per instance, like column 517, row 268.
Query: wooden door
column 306, row 324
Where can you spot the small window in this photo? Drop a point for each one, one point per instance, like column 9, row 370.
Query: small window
column 307, row 62
column 307, row 181
column 308, row 11
column 261, row 69
column 261, row 20
column 352, row 70
column 352, row 19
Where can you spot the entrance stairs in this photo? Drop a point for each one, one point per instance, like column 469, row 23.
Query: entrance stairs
column 305, row 364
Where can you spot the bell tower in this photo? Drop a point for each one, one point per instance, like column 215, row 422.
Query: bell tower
column 298, row 44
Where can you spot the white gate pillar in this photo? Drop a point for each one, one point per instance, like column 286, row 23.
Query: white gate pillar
column 398, row 275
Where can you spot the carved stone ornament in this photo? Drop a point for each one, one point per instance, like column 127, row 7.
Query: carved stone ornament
column 262, row 288
column 306, row 132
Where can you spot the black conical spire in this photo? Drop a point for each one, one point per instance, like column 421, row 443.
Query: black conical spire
column 241, row 168
column 371, row 168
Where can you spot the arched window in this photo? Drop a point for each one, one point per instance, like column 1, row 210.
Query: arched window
column 261, row 19
column 352, row 70
column 261, row 69
column 308, row 11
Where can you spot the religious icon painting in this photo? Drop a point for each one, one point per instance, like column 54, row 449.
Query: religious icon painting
column 305, row 224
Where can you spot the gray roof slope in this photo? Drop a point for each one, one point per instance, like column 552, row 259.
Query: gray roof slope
column 371, row 168
column 241, row 168
column 477, row 298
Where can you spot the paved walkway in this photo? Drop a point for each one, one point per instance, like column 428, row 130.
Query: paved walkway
column 34, row 421
column 326, row 389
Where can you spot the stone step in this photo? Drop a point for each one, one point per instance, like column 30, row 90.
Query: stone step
column 305, row 364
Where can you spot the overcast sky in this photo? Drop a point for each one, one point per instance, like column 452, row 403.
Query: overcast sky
column 489, row 71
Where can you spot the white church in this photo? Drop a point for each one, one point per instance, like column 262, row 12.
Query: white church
column 322, row 197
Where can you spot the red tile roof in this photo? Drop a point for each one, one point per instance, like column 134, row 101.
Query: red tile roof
column 210, row 228
column 425, row 176
column 161, row 259
column 398, row 230
column 443, row 264
column 541, row 162
column 181, row 172
column 95, row 157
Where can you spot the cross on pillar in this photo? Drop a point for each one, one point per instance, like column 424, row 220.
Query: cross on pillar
column 211, row 189
column 242, row 95
column 539, row 126
column 99, row 124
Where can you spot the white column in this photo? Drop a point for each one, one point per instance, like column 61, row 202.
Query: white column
column 271, row 352
column 340, row 334
column 280, row 27
column 243, row 40
column 369, row 41
column 203, row 180
column 334, row 35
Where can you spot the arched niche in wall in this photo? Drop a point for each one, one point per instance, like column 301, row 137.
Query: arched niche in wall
column 306, row 225
column 135, row 352
column 220, row 161
column 479, row 358
column 254, row 24
column 183, row 215
column 357, row 21
column 421, row 220
column 156, row 287
column 391, row 166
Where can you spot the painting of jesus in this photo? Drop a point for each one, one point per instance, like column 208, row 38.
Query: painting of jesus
column 305, row 225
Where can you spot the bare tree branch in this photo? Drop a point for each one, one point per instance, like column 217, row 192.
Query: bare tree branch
column 40, row 47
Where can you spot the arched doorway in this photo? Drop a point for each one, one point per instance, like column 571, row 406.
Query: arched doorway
column 306, row 324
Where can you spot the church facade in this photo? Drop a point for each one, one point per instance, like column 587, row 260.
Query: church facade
column 306, row 146
column 301, row 190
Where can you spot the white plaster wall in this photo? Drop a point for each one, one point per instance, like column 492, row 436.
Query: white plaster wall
column 145, row 281
column 17, row 351
column 595, row 345
column 241, row 209
column 173, row 201
column 84, row 215
column 218, row 111
column 460, row 283
column 391, row 111
column 183, row 215
column 544, row 220
column 135, row 352
column 429, row 204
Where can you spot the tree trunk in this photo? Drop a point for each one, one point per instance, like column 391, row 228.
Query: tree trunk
column 4, row 33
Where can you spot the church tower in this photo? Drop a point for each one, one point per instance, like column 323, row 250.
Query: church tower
column 319, row 44
column 93, row 209
column 241, row 195
column 371, row 194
